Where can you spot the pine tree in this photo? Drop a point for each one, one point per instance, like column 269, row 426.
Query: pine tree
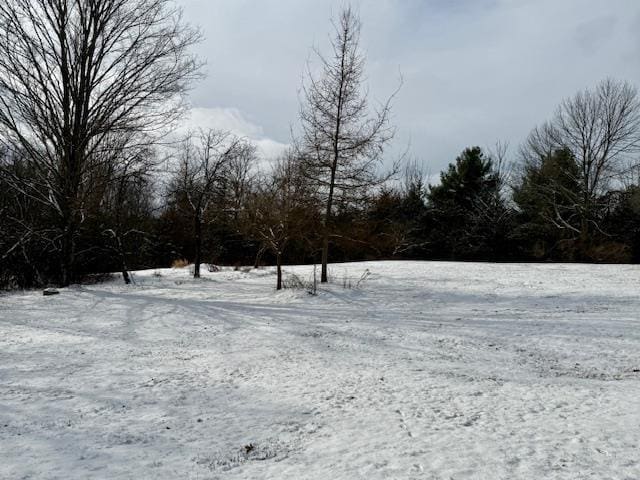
column 467, row 213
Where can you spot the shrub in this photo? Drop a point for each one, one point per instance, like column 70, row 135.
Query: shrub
column 610, row 252
column 295, row 282
column 348, row 282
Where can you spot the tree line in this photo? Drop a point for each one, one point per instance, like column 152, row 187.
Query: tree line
column 89, row 184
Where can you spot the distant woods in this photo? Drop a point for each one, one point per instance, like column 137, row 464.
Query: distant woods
column 90, row 90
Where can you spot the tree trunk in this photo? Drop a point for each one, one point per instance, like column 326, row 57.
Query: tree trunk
column 279, row 271
column 198, row 259
column 325, row 255
column 258, row 258
column 125, row 275
column 67, row 255
column 123, row 261
column 324, row 278
column 585, row 230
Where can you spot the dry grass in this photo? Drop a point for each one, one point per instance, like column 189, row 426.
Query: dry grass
column 180, row 263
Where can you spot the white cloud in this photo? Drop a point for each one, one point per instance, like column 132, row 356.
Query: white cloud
column 233, row 120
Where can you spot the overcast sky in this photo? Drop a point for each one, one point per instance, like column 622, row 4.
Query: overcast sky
column 475, row 71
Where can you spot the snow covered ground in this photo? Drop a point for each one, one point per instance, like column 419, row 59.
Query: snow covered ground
column 427, row 370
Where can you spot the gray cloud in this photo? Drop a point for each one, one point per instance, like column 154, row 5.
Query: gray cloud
column 594, row 34
column 474, row 71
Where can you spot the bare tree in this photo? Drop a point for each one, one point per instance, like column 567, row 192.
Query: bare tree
column 341, row 143
column 281, row 208
column 73, row 73
column 503, row 167
column 126, row 194
column 400, row 211
column 600, row 130
column 201, row 182
column 240, row 178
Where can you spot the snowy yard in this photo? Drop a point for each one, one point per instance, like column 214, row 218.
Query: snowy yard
column 428, row 370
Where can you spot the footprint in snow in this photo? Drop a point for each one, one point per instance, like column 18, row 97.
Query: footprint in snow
column 403, row 424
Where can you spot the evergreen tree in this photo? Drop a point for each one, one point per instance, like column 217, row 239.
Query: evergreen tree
column 468, row 216
column 624, row 222
column 546, row 196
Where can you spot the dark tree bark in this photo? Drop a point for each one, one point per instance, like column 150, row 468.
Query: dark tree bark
column 123, row 261
column 198, row 241
column 279, row 271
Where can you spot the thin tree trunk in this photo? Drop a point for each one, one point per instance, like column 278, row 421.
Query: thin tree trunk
column 198, row 259
column 324, row 278
column 67, row 255
column 258, row 258
column 279, row 271
column 125, row 274
column 325, row 256
column 123, row 261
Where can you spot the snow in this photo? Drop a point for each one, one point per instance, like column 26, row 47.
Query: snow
column 426, row 370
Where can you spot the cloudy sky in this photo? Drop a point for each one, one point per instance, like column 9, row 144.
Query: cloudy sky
column 475, row 71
